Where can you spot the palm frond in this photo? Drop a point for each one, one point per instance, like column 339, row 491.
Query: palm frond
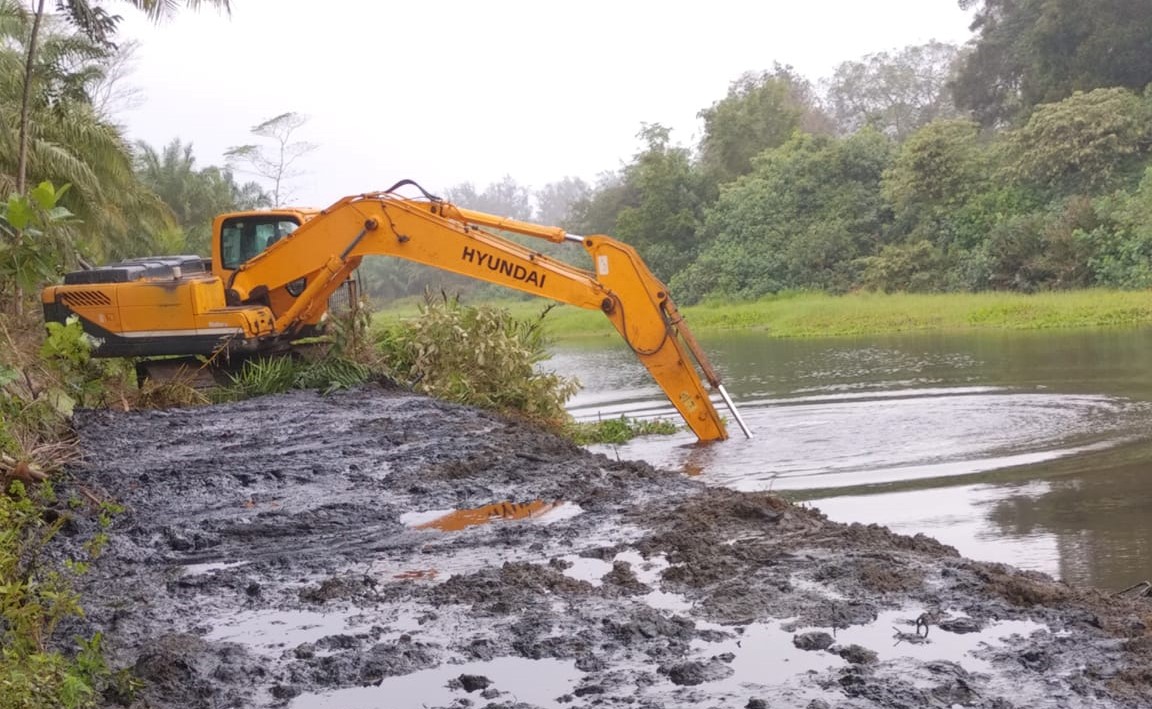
column 13, row 20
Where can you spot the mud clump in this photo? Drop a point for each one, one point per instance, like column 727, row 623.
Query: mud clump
column 697, row 672
column 470, row 683
column 856, row 654
column 340, row 588
column 960, row 625
column 348, row 666
column 277, row 553
column 509, row 588
column 888, row 576
column 624, row 579
column 816, row 640
column 179, row 670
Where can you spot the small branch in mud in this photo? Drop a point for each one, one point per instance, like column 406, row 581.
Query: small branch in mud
column 1138, row 590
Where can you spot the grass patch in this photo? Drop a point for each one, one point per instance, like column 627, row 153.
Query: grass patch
column 274, row 375
column 820, row 315
column 38, row 668
column 618, row 430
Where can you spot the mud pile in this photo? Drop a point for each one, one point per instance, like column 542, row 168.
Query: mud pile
column 377, row 549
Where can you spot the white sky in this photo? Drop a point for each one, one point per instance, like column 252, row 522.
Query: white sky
column 451, row 91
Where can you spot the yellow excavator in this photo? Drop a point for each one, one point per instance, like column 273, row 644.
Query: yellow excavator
column 272, row 272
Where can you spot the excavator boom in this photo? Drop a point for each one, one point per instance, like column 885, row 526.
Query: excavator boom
column 282, row 291
column 442, row 235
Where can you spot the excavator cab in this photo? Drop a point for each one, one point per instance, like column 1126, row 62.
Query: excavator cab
column 245, row 236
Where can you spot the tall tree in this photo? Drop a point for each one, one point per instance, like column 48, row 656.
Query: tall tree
column 894, row 93
column 68, row 143
column 1087, row 143
column 944, row 201
column 279, row 163
column 194, row 195
column 95, row 23
column 938, row 170
column 1029, row 52
column 761, row 111
column 506, row 198
column 662, row 220
column 109, row 92
column 596, row 212
column 799, row 220
column 554, row 200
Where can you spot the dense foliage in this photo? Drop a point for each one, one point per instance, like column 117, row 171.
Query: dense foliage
column 125, row 200
column 1017, row 161
column 1029, row 52
column 909, row 192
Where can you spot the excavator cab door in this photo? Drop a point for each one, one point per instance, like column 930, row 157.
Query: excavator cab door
column 245, row 237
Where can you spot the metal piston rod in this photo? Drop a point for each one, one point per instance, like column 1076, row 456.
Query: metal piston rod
column 732, row 407
column 674, row 318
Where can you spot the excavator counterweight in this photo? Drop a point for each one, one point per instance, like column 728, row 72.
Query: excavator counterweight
column 272, row 273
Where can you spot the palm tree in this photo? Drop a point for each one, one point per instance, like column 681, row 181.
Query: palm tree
column 194, row 195
column 99, row 26
column 68, row 143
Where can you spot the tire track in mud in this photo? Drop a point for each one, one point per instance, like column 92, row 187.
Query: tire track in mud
column 272, row 555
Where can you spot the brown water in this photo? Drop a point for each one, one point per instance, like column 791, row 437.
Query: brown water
column 1033, row 449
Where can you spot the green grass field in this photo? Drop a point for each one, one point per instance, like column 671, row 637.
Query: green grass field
column 820, row 315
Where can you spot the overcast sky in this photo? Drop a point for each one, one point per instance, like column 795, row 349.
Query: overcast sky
column 452, row 91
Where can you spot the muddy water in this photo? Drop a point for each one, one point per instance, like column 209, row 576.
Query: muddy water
column 1033, row 449
column 374, row 549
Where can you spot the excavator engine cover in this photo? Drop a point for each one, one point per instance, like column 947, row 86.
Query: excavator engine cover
column 138, row 269
column 156, row 306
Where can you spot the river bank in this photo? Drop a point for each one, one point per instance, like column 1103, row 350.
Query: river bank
column 820, row 315
column 378, row 549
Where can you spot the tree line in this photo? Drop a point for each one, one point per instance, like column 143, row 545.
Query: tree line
column 1020, row 161
column 1017, row 161
column 73, row 188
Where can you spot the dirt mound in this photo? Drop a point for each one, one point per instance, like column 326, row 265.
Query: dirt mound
column 372, row 549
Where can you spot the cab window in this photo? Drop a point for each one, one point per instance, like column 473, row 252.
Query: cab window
column 242, row 238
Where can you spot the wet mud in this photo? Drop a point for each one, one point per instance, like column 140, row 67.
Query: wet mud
column 373, row 549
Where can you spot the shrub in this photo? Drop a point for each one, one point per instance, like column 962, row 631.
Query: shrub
column 75, row 376
column 477, row 355
column 35, row 597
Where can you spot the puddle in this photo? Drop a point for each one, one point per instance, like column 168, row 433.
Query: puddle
column 665, row 601
column 442, row 558
column 198, row 569
column 766, row 651
column 456, row 520
column 647, row 572
column 592, row 570
column 535, row 682
column 271, row 632
column 584, row 569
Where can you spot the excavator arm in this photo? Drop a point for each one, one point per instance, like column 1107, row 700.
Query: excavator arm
column 331, row 245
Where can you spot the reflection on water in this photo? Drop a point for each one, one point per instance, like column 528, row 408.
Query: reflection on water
column 536, row 682
column 765, row 650
column 456, row 520
column 1028, row 448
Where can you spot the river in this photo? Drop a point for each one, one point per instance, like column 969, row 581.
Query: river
column 1029, row 448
